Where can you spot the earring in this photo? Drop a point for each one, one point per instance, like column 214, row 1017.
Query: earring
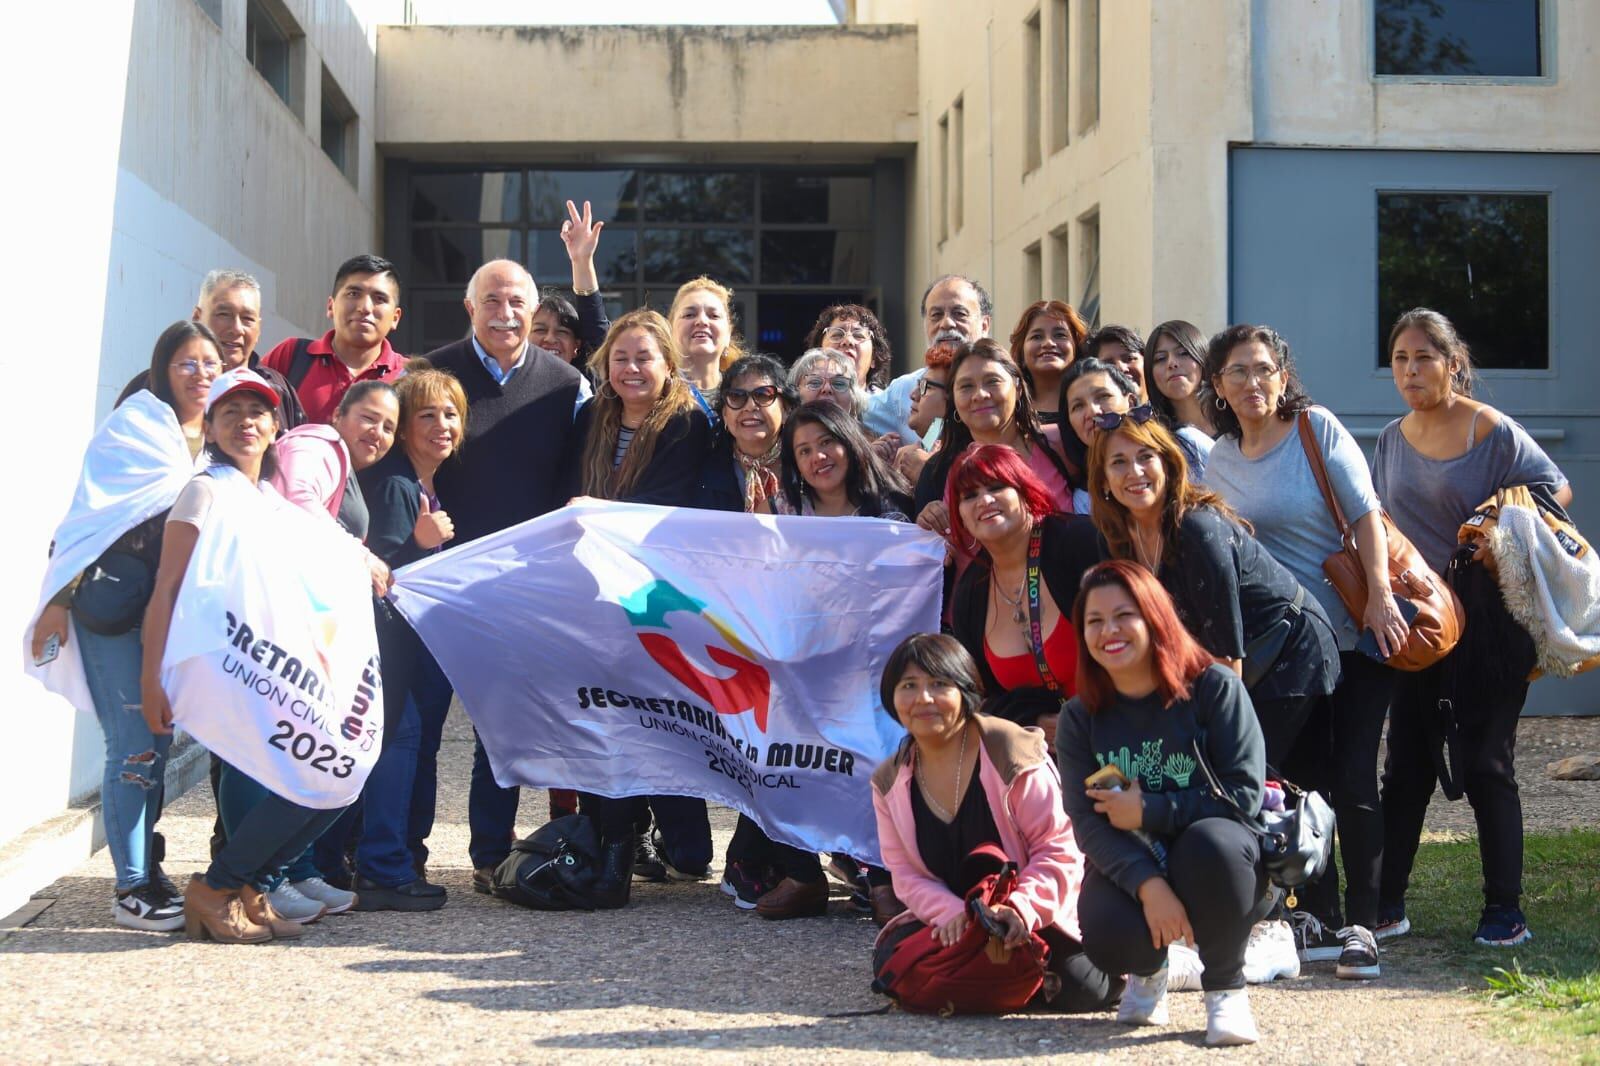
column 1283, row 401
column 1222, row 405
column 1106, row 495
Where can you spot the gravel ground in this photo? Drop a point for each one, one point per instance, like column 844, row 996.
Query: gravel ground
column 678, row 976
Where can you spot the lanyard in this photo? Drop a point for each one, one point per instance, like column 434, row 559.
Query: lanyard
column 1035, row 627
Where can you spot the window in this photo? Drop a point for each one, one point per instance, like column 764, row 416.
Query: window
column 1032, row 94
column 1458, row 38
column 1033, row 272
column 338, row 127
column 1060, row 266
column 958, row 163
column 1480, row 259
column 1058, row 34
column 267, row 44
column 212, row 8
column 1089, row 260
column 1088, row 65
column 942, row 193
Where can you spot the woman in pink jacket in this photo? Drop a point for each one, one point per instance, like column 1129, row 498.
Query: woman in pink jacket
column 960, row 780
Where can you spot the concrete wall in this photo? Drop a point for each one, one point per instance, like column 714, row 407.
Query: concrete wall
column 784, row 92
column 162, row 155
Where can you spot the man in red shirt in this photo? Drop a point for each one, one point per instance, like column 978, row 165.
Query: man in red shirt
column 364, row 310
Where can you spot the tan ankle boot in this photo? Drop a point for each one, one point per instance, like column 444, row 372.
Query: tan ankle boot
column 219, row 915
column 258, row 908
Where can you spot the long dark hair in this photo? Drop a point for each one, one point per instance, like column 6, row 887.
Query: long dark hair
column 172, row 338
column 1294, row 398
column 1441, row 333
column 872, row 485
column 955, row 437
column 1185, row 335
column 1078, row 452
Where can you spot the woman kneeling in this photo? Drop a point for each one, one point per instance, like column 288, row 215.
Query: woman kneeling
column 1166, row 860
column 961, row 780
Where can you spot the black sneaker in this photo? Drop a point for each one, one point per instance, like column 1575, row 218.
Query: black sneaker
column 647, row 865
column 163, row 884
column 746, row 884
column 1502, row 927
column 411, row 896
column 148, row 907
column 676, row 871
column 1313, row 941
column 1358, row 961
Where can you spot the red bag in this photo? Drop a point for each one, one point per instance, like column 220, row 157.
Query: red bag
column 977, row 974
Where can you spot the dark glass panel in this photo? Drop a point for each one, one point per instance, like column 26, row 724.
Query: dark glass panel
column 615, row 262
column 816, row 257
column 1480, row 259
column 449, row 256
column 698, row 197
column 677, row 255
column 442, row 320
column 612, row 194
column 817, row 198
column 1460, row 38
column 495, row 196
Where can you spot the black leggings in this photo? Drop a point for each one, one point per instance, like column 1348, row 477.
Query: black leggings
column 1337, row 755
column 1081, row 985
column 1281, row 721
column 750, row 844
column 1214, row 868
column 682, row 821
column 1487, row 724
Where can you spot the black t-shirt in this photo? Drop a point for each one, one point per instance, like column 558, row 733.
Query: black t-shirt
column 1229, row 590
column 944, row 848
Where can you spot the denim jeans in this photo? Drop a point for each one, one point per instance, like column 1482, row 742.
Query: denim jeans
column 491, row 812
column 136, row 759
column 237, row 795
column 398, row 801
column 270, row 834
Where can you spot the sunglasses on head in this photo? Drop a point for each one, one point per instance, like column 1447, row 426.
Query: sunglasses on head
column 1112, row 419
column 763, row 395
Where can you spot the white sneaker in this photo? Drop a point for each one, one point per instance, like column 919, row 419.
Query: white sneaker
column 148, row 908
column 1144, row 1001
column 1270, row 953
column 289, row 903
column 336, row 900
column 1228, row 1019
column 1183, row 968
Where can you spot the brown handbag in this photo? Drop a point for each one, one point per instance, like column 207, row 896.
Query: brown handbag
column 1440, row 619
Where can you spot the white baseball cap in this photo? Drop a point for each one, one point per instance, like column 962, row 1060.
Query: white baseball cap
column 241, row 379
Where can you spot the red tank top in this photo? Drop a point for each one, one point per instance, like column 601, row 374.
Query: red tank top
column 1020, row 671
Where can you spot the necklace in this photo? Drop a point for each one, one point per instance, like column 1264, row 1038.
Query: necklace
column 927, row 793
column 1150, row 557
column 1014, row 604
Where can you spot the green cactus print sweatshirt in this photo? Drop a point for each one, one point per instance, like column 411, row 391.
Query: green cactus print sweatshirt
column 1155, row 746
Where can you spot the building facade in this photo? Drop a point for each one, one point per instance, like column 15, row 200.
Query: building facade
column 1315, row 166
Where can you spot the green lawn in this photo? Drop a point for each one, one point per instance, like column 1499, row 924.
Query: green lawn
column 1550, row 986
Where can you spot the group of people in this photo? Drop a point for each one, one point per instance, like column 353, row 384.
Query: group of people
column 1135, row 538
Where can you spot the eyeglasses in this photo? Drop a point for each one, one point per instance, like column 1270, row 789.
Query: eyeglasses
column 839, row 333
column 763, row 395
column 835, row 384
column 191, row 367
column 920, row 389
column 1243, row 375
column 1112, row 419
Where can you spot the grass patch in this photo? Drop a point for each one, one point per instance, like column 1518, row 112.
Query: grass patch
column 1550, row 986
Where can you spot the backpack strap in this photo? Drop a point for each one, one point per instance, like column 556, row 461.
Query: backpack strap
column 299, row 362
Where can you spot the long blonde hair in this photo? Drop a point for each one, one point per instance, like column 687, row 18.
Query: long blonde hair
column 734, row 351
column 600, row 478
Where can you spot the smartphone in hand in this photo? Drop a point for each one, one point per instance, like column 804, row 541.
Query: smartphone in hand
column 52, row 649
column 1367, row 643
column 1108, row 777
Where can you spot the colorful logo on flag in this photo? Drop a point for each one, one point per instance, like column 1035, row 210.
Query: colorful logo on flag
column 749, row 688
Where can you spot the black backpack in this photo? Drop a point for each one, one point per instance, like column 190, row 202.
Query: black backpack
column 553, row 870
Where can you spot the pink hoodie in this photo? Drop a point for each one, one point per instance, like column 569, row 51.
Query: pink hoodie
column 1023, row 788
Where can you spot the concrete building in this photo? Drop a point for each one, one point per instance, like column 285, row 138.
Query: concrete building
column 1315, row 166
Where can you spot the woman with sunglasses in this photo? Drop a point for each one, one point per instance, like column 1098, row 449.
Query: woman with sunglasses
column 1010, row 608
column 1260, row 467
column 742, row 471
column 1177, row 353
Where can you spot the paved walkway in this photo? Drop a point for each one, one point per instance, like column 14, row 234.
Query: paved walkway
column 678, row 976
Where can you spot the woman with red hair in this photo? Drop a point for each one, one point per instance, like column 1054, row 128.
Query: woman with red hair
column 1166, row 857
column 1010, row 607
column 1048, row 337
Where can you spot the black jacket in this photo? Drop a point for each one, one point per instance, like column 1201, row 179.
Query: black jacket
column 673, row 477
column 394, row 500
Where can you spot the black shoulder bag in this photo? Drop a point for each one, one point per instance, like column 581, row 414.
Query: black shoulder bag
column 1296, row 842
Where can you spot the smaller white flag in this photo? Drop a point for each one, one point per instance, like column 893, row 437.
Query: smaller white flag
column 272, row 657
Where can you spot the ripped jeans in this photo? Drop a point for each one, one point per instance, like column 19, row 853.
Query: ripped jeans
column 136, row 759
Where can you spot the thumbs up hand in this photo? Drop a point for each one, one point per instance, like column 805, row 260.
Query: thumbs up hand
column 433, row 528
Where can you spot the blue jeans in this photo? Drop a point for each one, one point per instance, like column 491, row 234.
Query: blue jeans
column 268, row 836
column 136, row 759
column 238, row 794
column 398, row 801
column 491, row 812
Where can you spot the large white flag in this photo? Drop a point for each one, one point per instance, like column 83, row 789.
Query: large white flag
column 633, row 650
column 272, row 658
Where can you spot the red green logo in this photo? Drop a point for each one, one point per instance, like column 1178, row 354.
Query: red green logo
column 749, row 688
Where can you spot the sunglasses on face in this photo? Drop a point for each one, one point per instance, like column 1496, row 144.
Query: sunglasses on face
column 763, row 395
column 1112, row 419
